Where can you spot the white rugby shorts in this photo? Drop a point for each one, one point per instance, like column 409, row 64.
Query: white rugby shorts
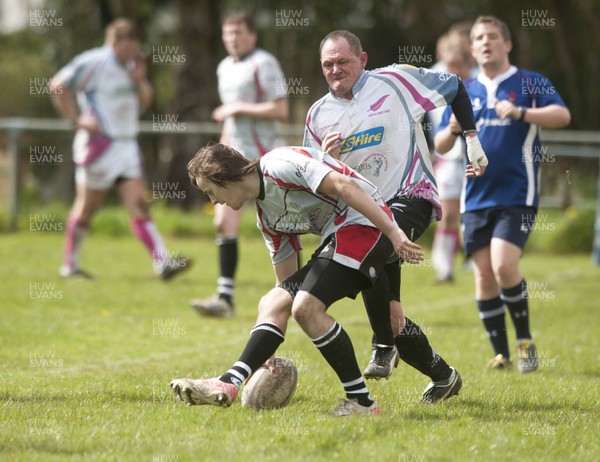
column 449, row 175
column 100, row 162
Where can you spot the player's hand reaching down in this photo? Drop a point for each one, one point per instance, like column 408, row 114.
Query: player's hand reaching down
column 405, row 248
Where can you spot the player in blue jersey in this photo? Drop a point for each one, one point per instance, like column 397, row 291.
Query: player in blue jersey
column 510, row 106
column 298, row 191
column 254, row 102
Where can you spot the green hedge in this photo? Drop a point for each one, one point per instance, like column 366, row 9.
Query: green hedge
column 554, row 231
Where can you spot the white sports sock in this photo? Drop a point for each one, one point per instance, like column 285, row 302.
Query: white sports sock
column 444, row 249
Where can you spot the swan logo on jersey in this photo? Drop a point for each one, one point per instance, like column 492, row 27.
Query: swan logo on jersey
column 364, row 139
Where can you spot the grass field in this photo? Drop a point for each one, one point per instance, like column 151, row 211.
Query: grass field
column 86, row 366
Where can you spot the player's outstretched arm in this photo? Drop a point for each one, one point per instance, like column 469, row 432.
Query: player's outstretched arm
column 338, row 185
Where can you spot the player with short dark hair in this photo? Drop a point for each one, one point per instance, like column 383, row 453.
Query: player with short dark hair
column 254, row 103
column 299, row 191
column 498, row 211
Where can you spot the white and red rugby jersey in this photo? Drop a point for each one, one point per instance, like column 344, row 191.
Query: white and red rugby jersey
column 255, row 78
column 289, row 204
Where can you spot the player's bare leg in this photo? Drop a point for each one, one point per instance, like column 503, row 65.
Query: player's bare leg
column 133, row 197
column 336, row 347
column 446, row 241
column 87, row 202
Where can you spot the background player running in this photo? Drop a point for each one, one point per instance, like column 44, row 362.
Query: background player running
column 111, row 88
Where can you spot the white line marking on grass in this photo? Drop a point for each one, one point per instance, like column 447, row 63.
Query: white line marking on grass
column 134, row 361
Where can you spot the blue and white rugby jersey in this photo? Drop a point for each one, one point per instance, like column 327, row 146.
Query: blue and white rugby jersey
column 289, row 204
column 255, row 78
column 513, row 148
column 105, row 90
column 381, row 126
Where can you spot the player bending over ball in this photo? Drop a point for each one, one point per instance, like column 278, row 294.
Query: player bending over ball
column 299, row 191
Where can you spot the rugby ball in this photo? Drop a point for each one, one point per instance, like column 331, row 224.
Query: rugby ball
column 267, row 391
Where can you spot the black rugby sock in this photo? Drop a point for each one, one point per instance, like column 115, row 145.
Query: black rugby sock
column 414, row 349
column 516, row 299
column 264, row 340
column 228, row 258
column 336, row 347
column 491, row 313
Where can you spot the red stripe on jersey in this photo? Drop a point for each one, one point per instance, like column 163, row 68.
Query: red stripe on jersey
column 260, row 91
column 304, row 152
column 276, row 238
column 261, row 149
column 286, row 185
column 356, row 241
column 341, row 168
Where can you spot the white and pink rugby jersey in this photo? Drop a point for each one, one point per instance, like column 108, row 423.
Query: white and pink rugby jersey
column 105, row 90
column 289, row 204
column 255, row 78
column 382, row 131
